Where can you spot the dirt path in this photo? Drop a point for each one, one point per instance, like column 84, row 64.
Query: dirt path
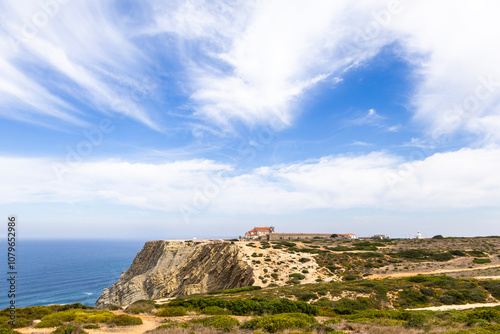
column 453, row 307
column 433, row 272
column 149, row 322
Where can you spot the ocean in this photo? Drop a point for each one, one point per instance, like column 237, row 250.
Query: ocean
column 65, row 272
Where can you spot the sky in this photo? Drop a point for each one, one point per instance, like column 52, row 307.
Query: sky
column 180, row 119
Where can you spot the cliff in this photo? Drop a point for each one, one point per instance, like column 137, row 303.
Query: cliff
column 165, row 269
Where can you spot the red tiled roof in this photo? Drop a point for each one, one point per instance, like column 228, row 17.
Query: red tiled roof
column 262, row 228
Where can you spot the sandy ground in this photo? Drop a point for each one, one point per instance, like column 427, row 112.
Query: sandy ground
column 454, row 307
column 289, row 264
column 149, row 322
column 433, row 272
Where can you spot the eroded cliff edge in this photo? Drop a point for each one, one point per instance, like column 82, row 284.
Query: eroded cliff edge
column 167, row 268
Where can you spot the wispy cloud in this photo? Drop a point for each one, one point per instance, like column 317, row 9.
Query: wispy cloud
column 77, row 51
column 262, row 65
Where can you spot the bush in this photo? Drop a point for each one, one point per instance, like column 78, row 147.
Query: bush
column 350, row 277
column 221, row 322
column 416, row 320
column 91, row 326
column 126, row 320
column 481, row 261
column 457, row 252
column 307, row 297
column 215, row 310
column 8, row 331
column 236, row 290
column 140, row 307
column 49, row 323
column 488, row 314
column 348, row 306
column 442, row 257
column 476, row 253
column 70, row 329
column 428, row 292
column 280, row 322
column 439, row 236
column 411, row 297
column 332, row 268
column 297, row 276
column 81, row 316
column 493, row 287
column 171, row 311
column 254, row 306
column 462, row 296
column 304, row 260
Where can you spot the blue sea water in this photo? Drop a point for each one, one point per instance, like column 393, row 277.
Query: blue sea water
column 65, row 272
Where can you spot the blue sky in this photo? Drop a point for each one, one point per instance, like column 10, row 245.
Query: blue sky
column 193, row 119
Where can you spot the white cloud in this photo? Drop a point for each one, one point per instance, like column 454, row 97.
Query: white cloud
column 456, row 64
column 271, row 57
column 78, row 49
column 466, row 178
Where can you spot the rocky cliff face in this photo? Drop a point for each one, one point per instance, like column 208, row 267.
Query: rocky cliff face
column 171, row 268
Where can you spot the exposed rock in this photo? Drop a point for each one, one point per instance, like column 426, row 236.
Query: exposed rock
column 166, row 268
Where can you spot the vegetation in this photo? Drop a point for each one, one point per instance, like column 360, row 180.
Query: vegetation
column 280, row 322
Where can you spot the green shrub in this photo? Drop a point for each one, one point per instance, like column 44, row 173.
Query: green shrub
column 481, row 261
column 171, row 311
column 91, row 326
column 297, row 276
column 332, row 268
column 307, row 297
column 236, row 290
column 478, row 322
column 222, row 322
column 274, row 275
column 462, row 296
column 416, row 320
column 140, row 307
column 488, row 314
column 215, row 310
column 69, row 329
column 476, row 253
column 254, row 306
column 49, row 323
column 126, row 320
column 428, row 292
column 287, row 243
column 81, row 316
column 348, row 306
column 350, row 277
column 280, row 322
column 457, row 253
column 442, row 257
column 408, row 298
column 304, row 259
column 8, row 331
column 493, row 287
